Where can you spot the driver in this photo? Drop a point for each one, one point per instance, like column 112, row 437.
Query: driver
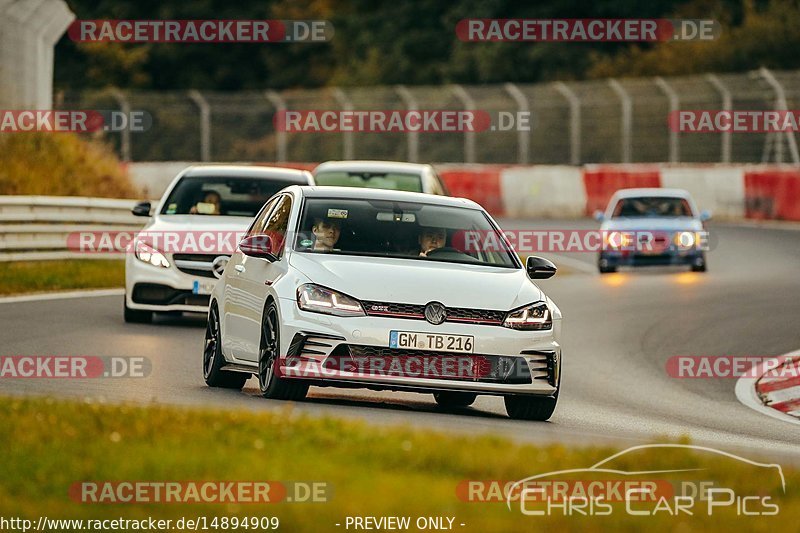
column 431, row 239
column 213, row 204
column 326, row 234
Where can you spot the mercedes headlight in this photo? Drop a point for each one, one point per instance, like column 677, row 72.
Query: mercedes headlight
column 319, row 299
column 532, row 317
column 148, row 254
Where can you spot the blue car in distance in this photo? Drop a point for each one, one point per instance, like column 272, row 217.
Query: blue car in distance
column 652, row 227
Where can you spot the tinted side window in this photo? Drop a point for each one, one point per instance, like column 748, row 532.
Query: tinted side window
column 278, row 222
column 258, row 226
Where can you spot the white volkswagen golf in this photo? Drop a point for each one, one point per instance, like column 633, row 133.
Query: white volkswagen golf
column 371, row 288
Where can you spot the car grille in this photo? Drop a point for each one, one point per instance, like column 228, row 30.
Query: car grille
column 155, row 294
column 382, row 361
column 417, row 312
column 195, row 264
column 654, row 260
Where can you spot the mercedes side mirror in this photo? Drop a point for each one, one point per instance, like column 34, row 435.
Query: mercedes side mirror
column 539, row 267
column 598, row 215
column 705, row 214
column 142, row 209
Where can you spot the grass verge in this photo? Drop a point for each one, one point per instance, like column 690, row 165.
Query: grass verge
column 19, row 277
column 369, row 471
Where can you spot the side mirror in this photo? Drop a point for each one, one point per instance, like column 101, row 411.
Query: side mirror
column 260, row 246
column 539, row 267
column 142, row 209
column 598, row 215
column 705, row 214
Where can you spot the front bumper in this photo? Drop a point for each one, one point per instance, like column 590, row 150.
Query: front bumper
column 151, row 288
column 614, row 258
column 328, row 350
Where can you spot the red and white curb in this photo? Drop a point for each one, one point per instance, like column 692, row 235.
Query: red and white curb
column 775, row 395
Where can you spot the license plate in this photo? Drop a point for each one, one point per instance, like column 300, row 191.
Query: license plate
column 202, row 288
column 436, row 342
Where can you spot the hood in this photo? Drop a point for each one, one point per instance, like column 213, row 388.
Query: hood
column 197, row 222
column 195, row 234
column 419, row 282
column 653, row 224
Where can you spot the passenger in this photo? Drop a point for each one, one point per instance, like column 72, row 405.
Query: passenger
column 213, row 205
column 431, row 239
column 326, row 234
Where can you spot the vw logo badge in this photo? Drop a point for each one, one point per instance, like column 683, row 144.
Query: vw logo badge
column 435, row 313
column 219, row 264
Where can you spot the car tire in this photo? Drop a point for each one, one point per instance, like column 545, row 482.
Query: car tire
column 702, row 267
column 136, row 316
column 607, row 270
column 213, row 360
column 539, row 408
column 270, row 385
column 454, row 399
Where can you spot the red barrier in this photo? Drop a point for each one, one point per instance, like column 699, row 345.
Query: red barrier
column 601, row 182
column 772, row 194
column 481, row 185
column 296, row 166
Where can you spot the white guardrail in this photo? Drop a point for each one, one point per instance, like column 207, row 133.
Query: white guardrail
column 36, row 228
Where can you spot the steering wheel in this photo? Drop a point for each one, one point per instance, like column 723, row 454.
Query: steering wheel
column 443, row 249
column 448, row 252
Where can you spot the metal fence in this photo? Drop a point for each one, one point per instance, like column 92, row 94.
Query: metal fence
column 39, row 227
column 599, row 121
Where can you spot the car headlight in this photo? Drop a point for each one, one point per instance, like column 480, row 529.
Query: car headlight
column 319, row 299
column 148, row 254
column 618, row 239
column 684, row 239
column 532, row 317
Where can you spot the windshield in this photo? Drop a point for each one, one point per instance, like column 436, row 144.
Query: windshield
column 380, row 228
column 221, row 196
column 396, row 181
column 652, row 206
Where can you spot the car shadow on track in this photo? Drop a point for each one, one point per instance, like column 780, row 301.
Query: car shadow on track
column 416, row 406
column 193, row 320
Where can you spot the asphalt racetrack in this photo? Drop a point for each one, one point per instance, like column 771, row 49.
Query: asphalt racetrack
column 619, row 330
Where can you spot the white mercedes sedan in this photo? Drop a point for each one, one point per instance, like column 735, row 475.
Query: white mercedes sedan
column 385, row 290
column 174, row 261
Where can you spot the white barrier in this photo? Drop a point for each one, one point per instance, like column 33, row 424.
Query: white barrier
column 717, row 188
column 37, row 227
column 543, row 191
